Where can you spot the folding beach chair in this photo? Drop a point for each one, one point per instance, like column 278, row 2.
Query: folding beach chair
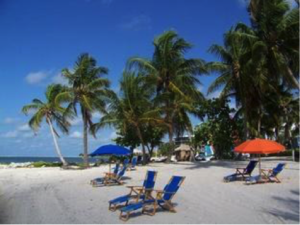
column 242, row 173
column 110, row 180
column 107, row 175
column 267, row 175
column 163, row 199
column 133, row 164
column 136, row 192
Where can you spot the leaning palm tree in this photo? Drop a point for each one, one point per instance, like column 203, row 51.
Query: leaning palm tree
column 172, row 74
column 88, row 90
column 51, row 112
column 133, row 109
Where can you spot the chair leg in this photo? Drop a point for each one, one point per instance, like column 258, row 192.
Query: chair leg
column 171, row 207
column 124, row 217
column 113, row 207
column 146, row 211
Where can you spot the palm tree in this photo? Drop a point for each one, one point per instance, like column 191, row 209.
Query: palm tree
column 51, row 112
column 133, row 109
column 276, row 27
column 236, row 74
column 89, row 90
column 172, row 74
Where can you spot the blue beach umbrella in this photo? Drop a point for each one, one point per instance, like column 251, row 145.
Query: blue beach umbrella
column 111, row 150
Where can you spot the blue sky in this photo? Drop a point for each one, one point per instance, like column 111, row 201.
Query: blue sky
column 39, row 38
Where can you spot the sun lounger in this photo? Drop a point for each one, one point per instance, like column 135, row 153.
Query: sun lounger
column 108, row 175
column 133, row 164
column 242, row 173
column 109, row 180
column 136, row 192
column 163, row 199
column 267, row 175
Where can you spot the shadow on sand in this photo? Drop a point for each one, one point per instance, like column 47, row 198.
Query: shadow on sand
column 291, row 205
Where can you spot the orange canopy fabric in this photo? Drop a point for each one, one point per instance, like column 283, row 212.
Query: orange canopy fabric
column 259, row 146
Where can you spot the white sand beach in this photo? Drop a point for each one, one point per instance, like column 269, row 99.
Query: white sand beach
column 52, row 195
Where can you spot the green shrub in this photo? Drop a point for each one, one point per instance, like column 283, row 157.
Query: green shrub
column 46, row 164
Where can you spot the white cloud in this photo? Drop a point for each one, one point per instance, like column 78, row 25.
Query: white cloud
column 24, row 127
column 113, row 135
column 141, row 22
column 36, row 77
column 59, row 79
column 76, row 121
column 97, row 115
column 76, row 134
column 10, row 134
column 28, row 135
column 10, row 120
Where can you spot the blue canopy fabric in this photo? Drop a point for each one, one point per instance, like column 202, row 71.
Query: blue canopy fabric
column 111, row 150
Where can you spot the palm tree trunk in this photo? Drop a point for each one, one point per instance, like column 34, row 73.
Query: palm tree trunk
column 192, row 157
column 56, row 144
column 85, row 141
column 150, row 151
column 259, row 121
column 170, row 143
column 139, row 133
column 293, row 79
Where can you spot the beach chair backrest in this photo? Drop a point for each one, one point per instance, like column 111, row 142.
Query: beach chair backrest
column 252, row 164
column 125, row 162
column 122, row 172
column 116, row 168
column 133, row 162
column 149, row 181
column 278, row 169
column 172, row 187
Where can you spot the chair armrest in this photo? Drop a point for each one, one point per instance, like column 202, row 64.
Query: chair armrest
column 135, row 187
column 110, row 173
column 267, row 170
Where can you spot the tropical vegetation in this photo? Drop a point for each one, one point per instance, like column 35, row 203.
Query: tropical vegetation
column 257, row 69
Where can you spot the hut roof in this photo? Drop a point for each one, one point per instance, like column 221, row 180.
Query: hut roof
column 183, row 147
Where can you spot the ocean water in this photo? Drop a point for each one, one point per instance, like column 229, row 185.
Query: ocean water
column 7, row 160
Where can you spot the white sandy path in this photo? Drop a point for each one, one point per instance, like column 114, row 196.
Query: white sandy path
column 51, row 195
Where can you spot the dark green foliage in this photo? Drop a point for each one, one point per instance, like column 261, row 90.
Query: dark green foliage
column 219, row 127
column 46, row 164
column 164, row 149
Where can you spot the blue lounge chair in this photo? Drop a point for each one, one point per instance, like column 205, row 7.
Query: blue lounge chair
column 125, row 162
column 163, row 199
column 136, row 192
column 107, row 175
column 133, row 163
column 242, row 173
column 110, row 180
column 267, row 175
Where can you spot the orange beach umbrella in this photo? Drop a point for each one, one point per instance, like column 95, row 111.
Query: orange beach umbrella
column 259, row 146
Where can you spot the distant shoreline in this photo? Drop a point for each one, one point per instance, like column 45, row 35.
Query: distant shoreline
column 25, row 159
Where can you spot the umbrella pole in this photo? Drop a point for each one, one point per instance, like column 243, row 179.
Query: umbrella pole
column 259, row 161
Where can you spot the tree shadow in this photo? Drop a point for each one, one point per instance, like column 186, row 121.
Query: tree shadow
column 215, row 163
column 291, row 205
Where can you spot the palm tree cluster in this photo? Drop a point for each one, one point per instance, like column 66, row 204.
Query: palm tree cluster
column 258, row 66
